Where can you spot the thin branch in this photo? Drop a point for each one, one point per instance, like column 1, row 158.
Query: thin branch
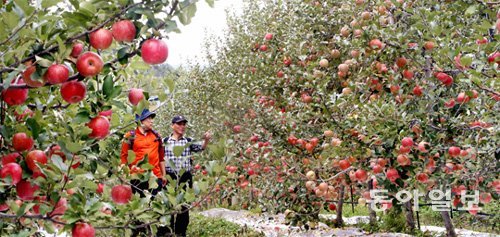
column 18, row 29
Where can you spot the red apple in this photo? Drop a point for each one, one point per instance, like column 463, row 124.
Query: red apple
column 101, row 39
column 123, row 31
column 77, row 50
column 73, row 91
column 25, row 190
column 332, row 207
column 100, row 127
column 106, row 113
column 26, row 113
column 10, row 158
column 494, row 57
column 485, row 198
column 417, row 90
column 12, row 170
column 60, row 207
column 121, row 194
column 237, row 129
column 454, row 151
column 444, row 78
column 403, row 160
column 28, row 72
column 422, row 177
column 82, row 229
column 401, row 62
column 429, row 45
column 344, row 164
column 56, row 74
column 462, row 98
column 408, row 74
column 135, row 96
column 377, row 169
column 407, row 142
column 154, row 51
column 89, row 64
column 376, row 44
column 100, row 188
column 263, row 48
column 268, row 36
column 22, row 142
column 280, row 74
column 15, row 96
column 392, row 174
column 34, row 157
column 361, row 175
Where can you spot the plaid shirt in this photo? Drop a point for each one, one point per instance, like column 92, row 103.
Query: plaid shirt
column 184, row 160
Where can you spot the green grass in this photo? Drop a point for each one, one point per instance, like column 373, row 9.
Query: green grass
column 200, row 226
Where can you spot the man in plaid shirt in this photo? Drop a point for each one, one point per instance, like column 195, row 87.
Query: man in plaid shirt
column 179, row 167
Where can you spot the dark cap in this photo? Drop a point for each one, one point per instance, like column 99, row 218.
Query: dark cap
column 178, row 119
column 144, row 115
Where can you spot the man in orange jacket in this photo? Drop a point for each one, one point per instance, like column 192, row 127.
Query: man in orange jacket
column 144, row 141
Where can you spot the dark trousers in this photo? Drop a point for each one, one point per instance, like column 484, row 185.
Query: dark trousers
column 178, row 222
column 140, row 187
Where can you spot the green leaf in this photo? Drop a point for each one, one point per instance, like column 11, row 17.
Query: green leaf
column 49, row 3
column 471, row 10
column 34, row 127
column 59, row 163
column 10, row 19
column 43, row 62
column 131, row 156
column 466, row 60
column 82, row 117
column 178, row 150
column 73, row 147
column 210, row 3
column 171, row 84
column 171, row 26
column 24, row 5
column 107, row 86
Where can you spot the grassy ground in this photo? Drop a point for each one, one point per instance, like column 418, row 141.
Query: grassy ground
column 201, row 226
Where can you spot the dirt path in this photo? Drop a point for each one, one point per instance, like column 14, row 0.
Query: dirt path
column 273, row 225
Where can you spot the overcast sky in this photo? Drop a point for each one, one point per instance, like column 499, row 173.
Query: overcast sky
column 188, row 44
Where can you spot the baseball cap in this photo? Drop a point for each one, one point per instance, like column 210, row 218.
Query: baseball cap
column 178, row 119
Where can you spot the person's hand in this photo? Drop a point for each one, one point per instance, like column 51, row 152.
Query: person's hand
column 207, row 136
column 164, row 181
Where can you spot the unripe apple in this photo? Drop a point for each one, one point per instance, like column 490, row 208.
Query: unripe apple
column 121, row 194
column 328, row 133
column 310, row 175
column 22, row 142
column 89, row 64
column 123, row 31
column 135, row 96
column 335, row 53
column 73, row 91
column 323, row 63
column 101, row 39
column 154, row 51
column 100, row 127
column 343, row 67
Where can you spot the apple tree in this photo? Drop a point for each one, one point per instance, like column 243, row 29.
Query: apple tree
column 320, row 95
column 66, row 69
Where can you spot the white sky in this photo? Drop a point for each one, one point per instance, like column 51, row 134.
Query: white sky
column 188, row 44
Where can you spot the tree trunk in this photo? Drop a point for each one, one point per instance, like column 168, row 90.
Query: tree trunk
column 410, row 220
column 340, row 221
column 373, row 214
column 450, row 230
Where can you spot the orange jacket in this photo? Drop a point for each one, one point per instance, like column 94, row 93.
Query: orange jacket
column 144, row 144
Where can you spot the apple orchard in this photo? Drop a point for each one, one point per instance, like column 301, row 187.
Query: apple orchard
column 312, row 103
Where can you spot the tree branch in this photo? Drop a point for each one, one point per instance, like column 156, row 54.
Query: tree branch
column 18, row 29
